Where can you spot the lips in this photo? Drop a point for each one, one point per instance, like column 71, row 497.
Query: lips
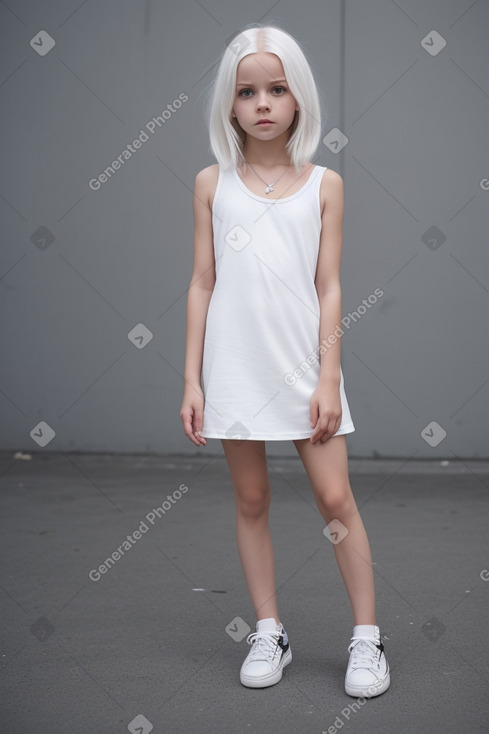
column 264, row 122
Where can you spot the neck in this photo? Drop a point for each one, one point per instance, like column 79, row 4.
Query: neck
column 267, row 153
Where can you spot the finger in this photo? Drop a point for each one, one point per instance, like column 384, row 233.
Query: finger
column 330, row 433
column 201, row 439
column 197, row 439
column 322, row 432
column 317, row 433
column 198, row 423
column 313, row 413
column 189, row 431
column 327, row 432
column 187, row 423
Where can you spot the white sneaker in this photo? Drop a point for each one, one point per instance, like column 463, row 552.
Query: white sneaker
column 269, row 654
column 367, row 674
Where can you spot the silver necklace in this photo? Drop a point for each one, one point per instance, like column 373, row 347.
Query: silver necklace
column 268, row 186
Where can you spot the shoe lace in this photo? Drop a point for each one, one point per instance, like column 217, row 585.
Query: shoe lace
column 265, row 645
column 364, row 652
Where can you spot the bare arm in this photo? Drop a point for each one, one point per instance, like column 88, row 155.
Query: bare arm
column 325, row 406
column 198, row 298
column 328, row 278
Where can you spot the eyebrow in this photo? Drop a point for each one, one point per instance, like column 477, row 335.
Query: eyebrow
column 250, row 84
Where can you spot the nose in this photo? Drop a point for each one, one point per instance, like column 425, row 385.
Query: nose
column 262, row 102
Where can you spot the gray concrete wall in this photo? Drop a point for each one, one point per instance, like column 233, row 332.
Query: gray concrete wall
column 93, row 281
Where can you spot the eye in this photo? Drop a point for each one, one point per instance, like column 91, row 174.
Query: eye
column 246, row 96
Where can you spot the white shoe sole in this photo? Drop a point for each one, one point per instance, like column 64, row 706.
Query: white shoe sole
column 369, row 691
column 267, row 680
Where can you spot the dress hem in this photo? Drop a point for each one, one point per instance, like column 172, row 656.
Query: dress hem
column 349, row 428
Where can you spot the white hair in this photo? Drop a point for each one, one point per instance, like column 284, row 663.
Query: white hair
column 226, row 135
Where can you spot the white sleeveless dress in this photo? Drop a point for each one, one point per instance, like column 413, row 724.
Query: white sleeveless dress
column 261, row 346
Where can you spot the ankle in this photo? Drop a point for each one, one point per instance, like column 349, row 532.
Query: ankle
column 269, row 616
column 366, row 620
column 366, row 630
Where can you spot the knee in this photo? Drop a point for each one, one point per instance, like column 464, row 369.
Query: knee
column 253, row 503
column 336, row 502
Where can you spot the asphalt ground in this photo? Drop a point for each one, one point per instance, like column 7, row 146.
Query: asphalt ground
column 154, row 639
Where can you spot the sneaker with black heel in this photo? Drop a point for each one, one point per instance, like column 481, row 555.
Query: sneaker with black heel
column 270, row 653
column 368, row 673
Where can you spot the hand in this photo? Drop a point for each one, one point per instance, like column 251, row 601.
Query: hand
column 325, row 411
column 192, row 414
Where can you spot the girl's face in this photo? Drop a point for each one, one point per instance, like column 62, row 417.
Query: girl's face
column 262, row 92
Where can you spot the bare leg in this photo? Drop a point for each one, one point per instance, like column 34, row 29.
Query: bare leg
column 326, row 465
column 249, row 474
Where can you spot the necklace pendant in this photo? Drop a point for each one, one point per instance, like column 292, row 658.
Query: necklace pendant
column 268, row 189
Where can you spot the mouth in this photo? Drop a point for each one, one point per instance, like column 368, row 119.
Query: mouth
column 265, row 122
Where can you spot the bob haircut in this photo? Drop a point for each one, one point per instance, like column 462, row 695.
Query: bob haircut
column 226, row 135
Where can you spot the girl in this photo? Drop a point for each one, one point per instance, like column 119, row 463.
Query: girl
column 263, row 313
